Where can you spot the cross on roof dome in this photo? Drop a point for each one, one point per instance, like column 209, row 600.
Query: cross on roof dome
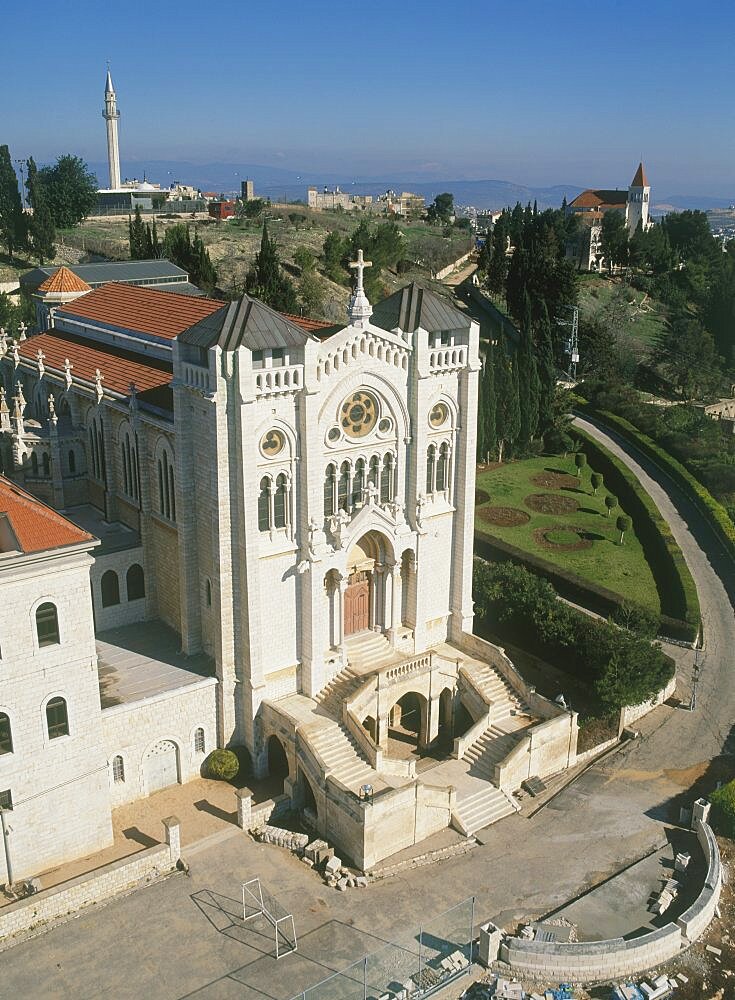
column 359, row 309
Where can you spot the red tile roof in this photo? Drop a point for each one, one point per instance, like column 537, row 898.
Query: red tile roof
column 307, row 324
column 118, row 368
column 64, row 280
column 142, row 310
column 640, row 179
column 596, row 198
column 36, row 526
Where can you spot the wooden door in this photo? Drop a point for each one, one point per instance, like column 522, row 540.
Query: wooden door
column 357, row 603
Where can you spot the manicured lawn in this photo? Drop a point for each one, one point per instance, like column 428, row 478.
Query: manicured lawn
column 582, row 540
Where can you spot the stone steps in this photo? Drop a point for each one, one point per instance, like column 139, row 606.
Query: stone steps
column 341, row 686
column 368, row 651
column 490, row 749
column 341, row 755
column 481, row 809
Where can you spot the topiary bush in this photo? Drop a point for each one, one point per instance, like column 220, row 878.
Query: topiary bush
column 723, row 809
column 222, row 765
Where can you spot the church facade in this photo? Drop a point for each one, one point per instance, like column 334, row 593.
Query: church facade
column 286, row 514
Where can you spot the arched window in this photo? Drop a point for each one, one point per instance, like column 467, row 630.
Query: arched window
column 46, row 464
column 63, row 407
column 118, row 770
column 374, row 471
column 97, row 448
column 343, row 487
column 34, row 464
column 72, row 462
column 442, row 468
column 110, row 586
column 329, row 484
column 135, row 582
column 57, row 718
column 129, row 462
column 199, row 741
column 47, row 625
column 358, row 482
column 166, row 486
column 430, row 468
column 280, row 502
column 264, row 504
column 386, row 480
column 6, row 737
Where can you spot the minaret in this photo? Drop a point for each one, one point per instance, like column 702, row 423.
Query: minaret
column 111, row 115
column 639, row 194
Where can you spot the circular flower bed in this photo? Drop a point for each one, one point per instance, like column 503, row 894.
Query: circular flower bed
column 504, row 517
column 565, row 538
column 551, row 503
column 481, row 497
column 554, row 480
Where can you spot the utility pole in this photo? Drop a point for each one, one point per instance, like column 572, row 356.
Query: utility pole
column 572, row 342
column 6, row 845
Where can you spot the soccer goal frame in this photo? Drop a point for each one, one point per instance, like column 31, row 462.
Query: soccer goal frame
column 252, row 897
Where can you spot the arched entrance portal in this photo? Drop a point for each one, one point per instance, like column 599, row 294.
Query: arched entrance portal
column 408, row 719
column 368, row 593
column 277, row 763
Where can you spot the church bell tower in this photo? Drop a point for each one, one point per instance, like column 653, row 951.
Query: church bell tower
column 111, row 115
column 639, row 194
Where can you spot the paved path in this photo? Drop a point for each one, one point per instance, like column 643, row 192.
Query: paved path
column 174, row 938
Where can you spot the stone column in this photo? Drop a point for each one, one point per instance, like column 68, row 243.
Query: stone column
column 172, row 827
column 379, row 614
column 372, row 616
column 341, row 612
column 397, row 596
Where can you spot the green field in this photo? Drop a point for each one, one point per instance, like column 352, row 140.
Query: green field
column 620, row 568
column 634, row 314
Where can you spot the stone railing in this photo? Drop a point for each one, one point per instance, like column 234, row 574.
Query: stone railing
column 447, row 359
column 196, row 377
column 591, row 961
column 399, row 672
column 545, row 749
column 463, row 743
column 271, row 381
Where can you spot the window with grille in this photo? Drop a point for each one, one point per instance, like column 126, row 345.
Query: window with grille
column 118, row 769
column 199, row 745
column 6, row 799
column 47, row 625
column 6, row 737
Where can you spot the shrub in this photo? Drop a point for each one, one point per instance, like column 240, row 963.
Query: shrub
column 222, row 764
column 611, row 502
column 623, row 524
column 723, row 809
column 580, row 460
column 640, row 621
column 596, row 481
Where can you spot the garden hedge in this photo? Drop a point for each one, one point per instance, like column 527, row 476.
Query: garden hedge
column 575, row 588
column 711, row 509
column 675, row 584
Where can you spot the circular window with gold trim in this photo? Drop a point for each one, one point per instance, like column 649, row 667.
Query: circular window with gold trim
column 439, row 415
column 358, row 414
column 272, row 443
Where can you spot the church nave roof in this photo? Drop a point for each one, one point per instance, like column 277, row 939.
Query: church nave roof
column 252, row 324
column 412, row 307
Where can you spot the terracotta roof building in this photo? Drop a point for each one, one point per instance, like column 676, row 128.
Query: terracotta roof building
column 64, row 280
column 27, row 525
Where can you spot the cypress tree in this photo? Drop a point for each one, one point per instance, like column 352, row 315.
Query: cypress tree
column 528, row 379
column 13, row 230
column 546, row 374
column 265, row 281
column 506, row 394
column 490, row 404
column 137, row 236
column 41, row 229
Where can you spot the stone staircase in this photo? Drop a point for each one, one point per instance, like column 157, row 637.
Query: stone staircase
column 497, row 691
column 489, row 749
column 476, row 811
column 341, row 686
column 367, row 651
column 341, row 755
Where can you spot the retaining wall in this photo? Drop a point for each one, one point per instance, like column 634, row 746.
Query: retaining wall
column 601, row 960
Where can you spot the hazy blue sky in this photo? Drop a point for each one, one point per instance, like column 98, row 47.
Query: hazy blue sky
column 533, row 91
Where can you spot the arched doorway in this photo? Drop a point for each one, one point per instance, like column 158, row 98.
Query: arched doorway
column 407, row 721
column 367, row 594
column 308, row 799
column 368, row 724
column 161, row 766
column 277, row 763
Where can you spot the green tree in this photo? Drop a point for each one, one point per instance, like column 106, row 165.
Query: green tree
column 614, row 239
column 250, row 209
column 507, row 407
column 441, row 209
column 623, row 524
column 719, row 312
column 311, row 293
column 487, row 439
column 70, row 190
column 611, row 502
column 41, row 229
column 335, row 249
column 265, row 281
column 596, row 482
column 497, row 271
column 528, row 381
column 546, row 374
column 137, row 236
column 580, row 460
column 304, row 258
column 12, row 219
column 153, row 248
column 687, row 356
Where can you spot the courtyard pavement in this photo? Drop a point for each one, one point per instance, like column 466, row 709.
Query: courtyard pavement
column 181, row 937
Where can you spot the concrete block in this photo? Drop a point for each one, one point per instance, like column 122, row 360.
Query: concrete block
column 700, row 811
column 489, row 944
column 342, row 885
column 333, row 865
column 681, row 862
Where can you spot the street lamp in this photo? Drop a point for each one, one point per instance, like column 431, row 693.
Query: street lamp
column 6, row 844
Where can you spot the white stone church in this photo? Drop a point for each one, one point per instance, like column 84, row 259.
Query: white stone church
column 276, row 517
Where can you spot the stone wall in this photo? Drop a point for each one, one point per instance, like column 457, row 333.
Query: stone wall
column 131, row 729
column 631, row 713
column 165, row 557
column 600, row 960
column 92, row 887
column 125, row 612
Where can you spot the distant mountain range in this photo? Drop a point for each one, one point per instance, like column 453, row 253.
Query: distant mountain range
column 277, row 182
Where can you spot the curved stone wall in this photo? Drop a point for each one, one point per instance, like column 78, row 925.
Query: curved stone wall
column 601, row 960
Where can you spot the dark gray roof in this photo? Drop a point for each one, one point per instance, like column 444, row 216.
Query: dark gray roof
column 126, row 271
column 179, row 288
column 246, row 323
column 413, row 307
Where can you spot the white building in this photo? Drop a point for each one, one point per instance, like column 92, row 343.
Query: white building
column 292, row 504
column 591, row 206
